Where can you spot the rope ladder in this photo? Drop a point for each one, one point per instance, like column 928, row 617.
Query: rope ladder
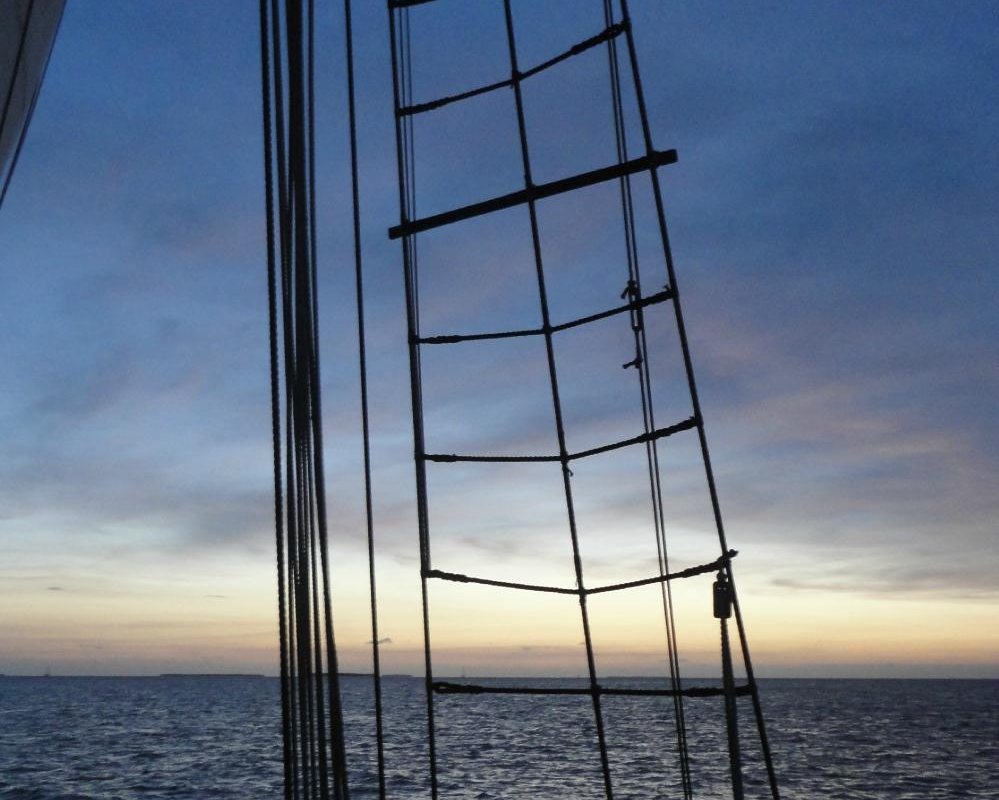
column 617, row 39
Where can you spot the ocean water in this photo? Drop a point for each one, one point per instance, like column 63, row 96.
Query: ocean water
column 202, row 738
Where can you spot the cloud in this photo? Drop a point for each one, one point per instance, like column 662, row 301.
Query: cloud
column 832, row 222
column 881, row 576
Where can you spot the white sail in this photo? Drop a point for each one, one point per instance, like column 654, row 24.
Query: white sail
column 27, row 31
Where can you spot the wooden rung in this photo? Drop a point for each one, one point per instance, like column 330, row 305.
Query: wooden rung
column 658, row 158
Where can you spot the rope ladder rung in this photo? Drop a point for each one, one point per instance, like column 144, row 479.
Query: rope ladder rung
column 580, row 47
column 397, row 4
column 540, row 191
column 634, row 305
column 449, row 687
column 643, row 438
column 689, row 572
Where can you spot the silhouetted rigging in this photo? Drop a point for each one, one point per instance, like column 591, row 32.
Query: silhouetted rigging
column 636, row 306
column 315, row 760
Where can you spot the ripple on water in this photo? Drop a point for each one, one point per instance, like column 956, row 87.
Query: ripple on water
column 186, row 739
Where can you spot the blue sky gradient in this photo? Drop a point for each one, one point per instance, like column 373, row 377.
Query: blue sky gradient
column 833, row 216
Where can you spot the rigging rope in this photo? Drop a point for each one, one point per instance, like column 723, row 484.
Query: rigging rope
column 646, row 131
column 286, row 726
column 365, row 417
column 557, row 404
column 312, row 719
column 641, row 362
column 402, row 92
column 410, row 225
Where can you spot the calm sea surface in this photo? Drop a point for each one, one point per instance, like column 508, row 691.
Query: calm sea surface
column 201, row 738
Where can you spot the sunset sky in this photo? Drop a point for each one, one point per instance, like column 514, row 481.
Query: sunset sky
column 834, row 222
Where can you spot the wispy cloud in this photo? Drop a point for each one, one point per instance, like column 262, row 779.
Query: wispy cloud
column 833, row 223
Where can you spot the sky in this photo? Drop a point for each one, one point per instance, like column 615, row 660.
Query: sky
column 833, row 220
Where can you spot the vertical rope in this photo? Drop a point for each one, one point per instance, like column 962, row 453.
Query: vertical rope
column 723, row 611
column 336, row 740
column 695, row 402
column 641, row 363
column 265, row 69
column 402, row 86
column 300, row 284
column 557, row 404
column 317, row 634
column 312, row 719
column 365, row 421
